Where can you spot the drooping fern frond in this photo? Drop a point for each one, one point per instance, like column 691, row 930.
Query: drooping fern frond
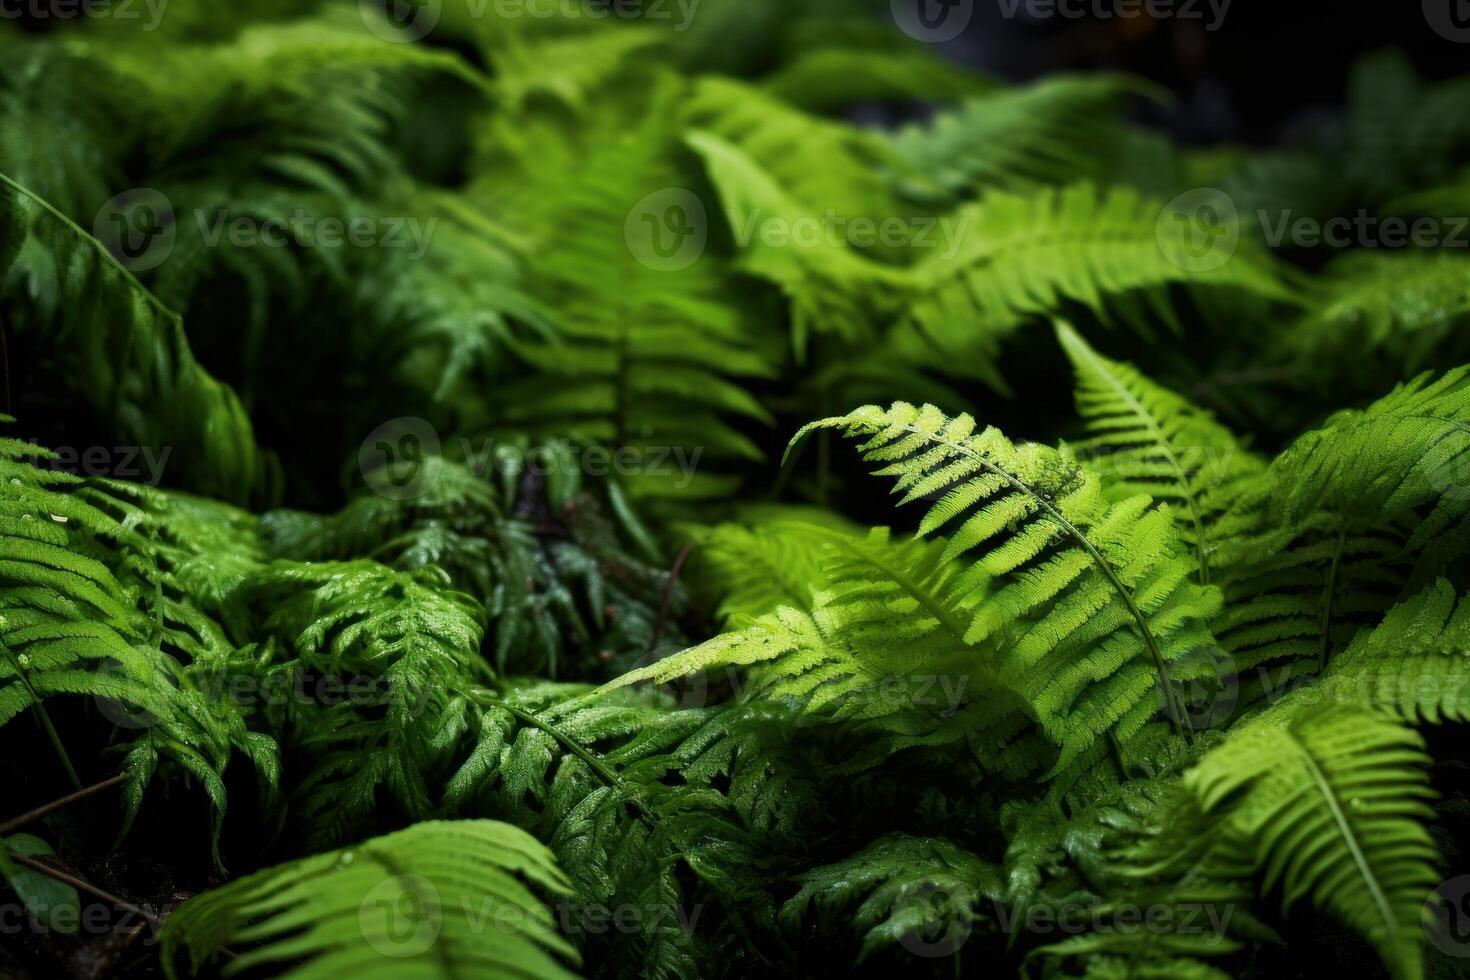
column 440, row 899
column 130, row 361
column 925, row 891
column 1341, row 524
column 1147, row 439
column 650, row 358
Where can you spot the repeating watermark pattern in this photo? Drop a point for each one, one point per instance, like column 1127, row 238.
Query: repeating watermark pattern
column 414, row 20
column 668, row 230
column 91, row 918
column 141, row 229
column 1211, row 12
column 1206, row 687
column 834, row 230
column 401, row 20
column 138, row 228
column 395, row 459
column 148, row 14
column 1447, row 917
column 138, row 464
column 307, row 230
column 1450, row 19
column 128, row 695
column 401, row 916
column 1125, row 918
column 940, row 936
column 1362, row 230
column 933, row 21
column 1199, row 230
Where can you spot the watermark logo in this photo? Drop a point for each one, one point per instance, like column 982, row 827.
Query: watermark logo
column 1199, row 230
column 1206, row 687
column 668, row 230
column 393, row 458
column 938, row 935
column 1447, row 917
column 933, row 21
column 1450, row 19
column 403, row 21
column 123, row 696
column 401, row 916
column 138, row 228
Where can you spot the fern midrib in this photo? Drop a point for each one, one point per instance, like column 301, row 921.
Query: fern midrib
column 1097, row 557
column 1345, row 828
column 1145, row 416
column 106, row 256
column 905, row 582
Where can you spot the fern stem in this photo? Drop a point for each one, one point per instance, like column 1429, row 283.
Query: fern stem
column 86, row 236
column 57, row 804
column 84, row 886
column 1345, row 827
column 1329, row 594
column 1170, row 704
column 1121, row 391
column 571, row 744
column 41, row 714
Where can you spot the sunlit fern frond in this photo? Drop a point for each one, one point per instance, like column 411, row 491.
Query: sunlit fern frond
column 1147, row 439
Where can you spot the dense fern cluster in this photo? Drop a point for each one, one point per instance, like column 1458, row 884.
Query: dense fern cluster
column 510, row 599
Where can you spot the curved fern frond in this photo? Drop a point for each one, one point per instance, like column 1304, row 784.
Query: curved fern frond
column 1147, row 439
column 1094, row 596
column 130, row 359
column 440, row 899
column 1343, row 521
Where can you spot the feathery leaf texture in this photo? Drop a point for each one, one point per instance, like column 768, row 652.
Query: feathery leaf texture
column 440, row 899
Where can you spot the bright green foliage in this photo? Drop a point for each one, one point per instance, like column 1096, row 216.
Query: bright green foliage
column 596, row 663
column 1415, row 664
column 440, row 899
column 1102, row 589
column 1329, row 806
column 1147, row 439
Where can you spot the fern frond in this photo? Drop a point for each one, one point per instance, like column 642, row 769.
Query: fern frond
column 1147, row 439
column 1016, row 257
column 1329, row 806
column 117, row 333
column 915, row 889
column 1054, row 131
column 440, row 899
column 1415, row 664
column 1091, row 599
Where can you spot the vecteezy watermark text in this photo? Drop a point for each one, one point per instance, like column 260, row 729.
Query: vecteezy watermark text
column 1212, row 12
